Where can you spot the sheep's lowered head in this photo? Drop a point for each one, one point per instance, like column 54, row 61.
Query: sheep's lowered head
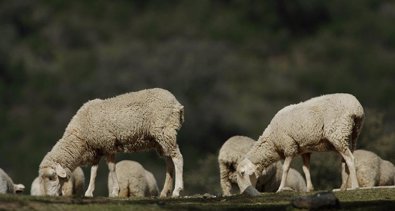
column 19, row 188
column 52, row 178
column 246, row 174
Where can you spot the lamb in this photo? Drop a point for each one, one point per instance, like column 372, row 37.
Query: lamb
column 371, row 170
column 7, row 185
column 136, row 121
column 134, row 180
column 327, row 123
column 230, row 155
column 73, row 187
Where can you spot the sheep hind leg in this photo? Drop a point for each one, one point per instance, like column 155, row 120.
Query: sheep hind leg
column 111, row 167
column 286, row 165
column 168, row 185
column 91, row 186
column 349, row 158
column 178, row 162
column 306, row 171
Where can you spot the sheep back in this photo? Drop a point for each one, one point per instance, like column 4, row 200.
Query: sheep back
column 367, row 165
column 387, row 173
column 311, row 123
column 133, row 180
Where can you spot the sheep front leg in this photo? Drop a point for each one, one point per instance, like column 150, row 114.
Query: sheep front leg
column 168, row 186
column 111, row 167
column 306, row 171
column 178, row 165
column 286, row 165
column 349, row 158
column 91, row 187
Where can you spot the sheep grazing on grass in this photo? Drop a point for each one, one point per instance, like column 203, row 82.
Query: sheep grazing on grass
column 371, row 170
column 72, row 187
column 134, row 180
column 137, row 121
column 7, row 185
column 232, row 152
column 326, row 123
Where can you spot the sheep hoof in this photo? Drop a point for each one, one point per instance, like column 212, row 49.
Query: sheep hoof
column 88, row 194
column 251, row 191
column 317, row 201
column 176, row 192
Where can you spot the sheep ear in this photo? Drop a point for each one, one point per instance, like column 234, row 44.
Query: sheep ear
column 60, row 171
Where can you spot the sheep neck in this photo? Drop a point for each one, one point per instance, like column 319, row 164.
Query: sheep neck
column 263, row 154
column 68, row 152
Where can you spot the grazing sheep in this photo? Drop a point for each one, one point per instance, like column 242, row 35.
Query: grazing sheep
column 326, row 123
column 232, row 152
column 73, row 187
column 371, row 170
column 7, row 185
column 137, row 121
column 134, row 180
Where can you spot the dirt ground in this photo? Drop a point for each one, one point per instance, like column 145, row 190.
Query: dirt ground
column 364, row 199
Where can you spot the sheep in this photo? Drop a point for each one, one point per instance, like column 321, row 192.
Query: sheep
column 137, row 121
column 326, row 123
column 134, row 180
column 7, row 185
column 371, row 170
column 73, row 187
column 230, row 155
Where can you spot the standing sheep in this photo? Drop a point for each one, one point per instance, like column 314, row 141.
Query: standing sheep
column 326, row 123
column 232, row 152
column 72, row 187
column 137, row 121
column 7, row 185
column 134, row 180
column 371, row 170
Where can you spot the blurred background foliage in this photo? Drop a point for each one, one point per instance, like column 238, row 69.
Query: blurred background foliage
column 232, row 63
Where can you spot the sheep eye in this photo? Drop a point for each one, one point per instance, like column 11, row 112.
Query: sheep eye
column 52, row 178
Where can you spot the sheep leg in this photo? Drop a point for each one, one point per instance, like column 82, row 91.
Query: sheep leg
column 224, row 178
column 286, row 165
column 91, row 187
column 168, row 186
column 345, row 177
column 349, row 158
column 111, row 167
column 306, row 171
column 178, row 165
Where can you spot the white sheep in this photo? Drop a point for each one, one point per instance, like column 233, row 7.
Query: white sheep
column 72, row 187
column 371, row 170
column 134, row 180
column 326, row 123
column 137, row 121
column 232, row 152
column 7, row 185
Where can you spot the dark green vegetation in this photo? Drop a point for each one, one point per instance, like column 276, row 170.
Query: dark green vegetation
column 232, row 63
column 349, row 200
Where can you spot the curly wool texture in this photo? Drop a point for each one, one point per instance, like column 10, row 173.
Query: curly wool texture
column 126, row 123
column 326, row 123
column 73, row 187
column 137, row 121
column 233, row 151
column 7, row 185
column 371, row 170
column 134, row 180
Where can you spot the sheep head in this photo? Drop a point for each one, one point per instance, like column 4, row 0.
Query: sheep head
column 246, row 174
column 52, row 178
